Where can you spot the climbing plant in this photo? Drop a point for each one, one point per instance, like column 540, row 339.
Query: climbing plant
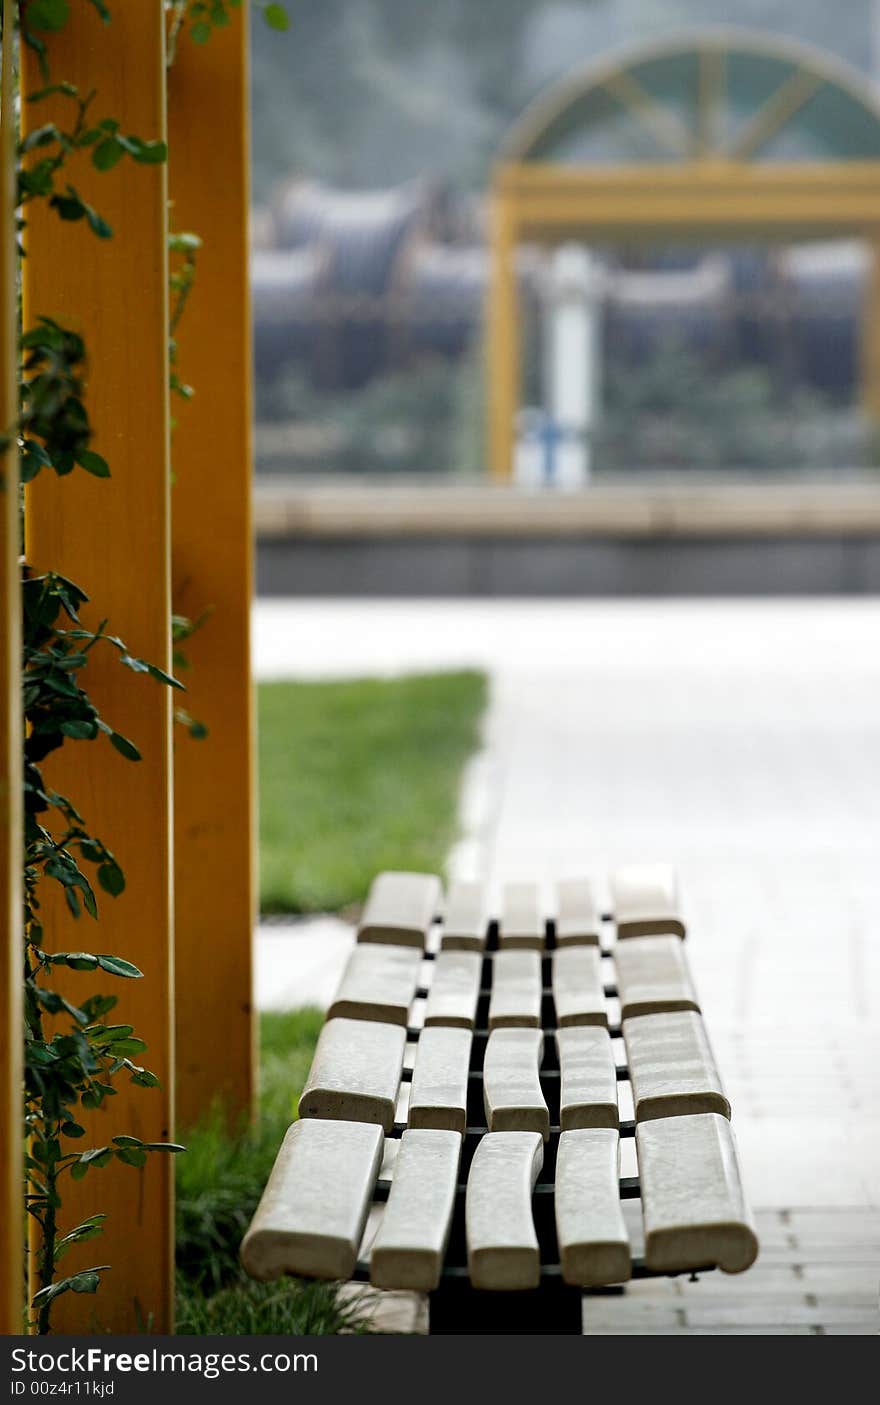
column 74, row 1055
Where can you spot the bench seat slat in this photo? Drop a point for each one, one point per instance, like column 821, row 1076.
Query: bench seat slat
column 588, row 1082
column 577, row 986
column 502, row 1245
column 577, row 919
column 355, row 1072
column 312, row 1213
column 512, row 1094
column 378, row 983
column 646, row 901
column 411, row 1243
column 694, row 1211
column 465, row 921
column 521, row 923
column 400, row 909
column 515, row 1001
column 455, row 989
column 438, row 1094
column 594, row 1247
column 653, row 976
column 671, row 1066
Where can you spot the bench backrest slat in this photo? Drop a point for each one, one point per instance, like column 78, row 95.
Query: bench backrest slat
column 588, row 1078
column 694, row 1210
column 653, row 976
column 379, row 983
column 671, row 1067
column 409, row 1248
column 312, row 1213
column 646, row 901
column 515, row 1001
column 502, row 1245
column 400, row 908
column 439, row 1093
column 512, row 1094
column 455, row 989
column 577, row 986
column 577, row 913
column 355, row 1073
column 594, row 1246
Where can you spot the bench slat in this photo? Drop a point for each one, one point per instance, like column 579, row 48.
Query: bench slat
column 693, row 1207
column 379, row 983
column 438, row 1095
column 515, row 1001
column 522, row 924
column 646, row 901
column 577, row 986
column 465, row 922
column 593, row 1243
column 400, row 908
column 312, row 1213
column 577, row 920
column 411, row 1243
column 455, row 989
column 502, row 1246
column 588, row 1082
column 355, row 1072
column 671, row 1067
column 512, row 1094
column 653, row 976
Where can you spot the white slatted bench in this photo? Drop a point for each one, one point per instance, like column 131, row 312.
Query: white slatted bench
column 468, row 1086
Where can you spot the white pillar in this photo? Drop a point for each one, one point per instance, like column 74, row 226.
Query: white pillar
column 573, row 354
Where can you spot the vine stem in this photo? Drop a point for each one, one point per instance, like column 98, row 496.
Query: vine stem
column 46, row 1270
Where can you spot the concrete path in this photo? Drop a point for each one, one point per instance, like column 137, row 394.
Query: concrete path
column 741, row 741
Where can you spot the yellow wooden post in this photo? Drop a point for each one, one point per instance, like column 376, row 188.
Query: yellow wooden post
column 502, row 340
column 212, row 572
column 11, row 1203
column 870, row 337
column 112, row 537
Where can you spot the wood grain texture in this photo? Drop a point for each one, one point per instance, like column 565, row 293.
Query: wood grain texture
column 11, row 1238
column 112, row 537
column 212, row 569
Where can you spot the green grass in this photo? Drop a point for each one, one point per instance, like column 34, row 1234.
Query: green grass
column 356, row 777
column 220, row 1179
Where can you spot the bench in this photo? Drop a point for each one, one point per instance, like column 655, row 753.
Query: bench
column 474, row 1091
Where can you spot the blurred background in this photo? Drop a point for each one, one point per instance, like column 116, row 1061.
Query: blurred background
column 376, row 129
column 534, row 674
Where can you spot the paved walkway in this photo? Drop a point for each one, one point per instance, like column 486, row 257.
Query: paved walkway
column 741, row 741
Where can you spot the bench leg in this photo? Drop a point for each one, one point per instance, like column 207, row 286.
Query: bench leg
column 457, row 1309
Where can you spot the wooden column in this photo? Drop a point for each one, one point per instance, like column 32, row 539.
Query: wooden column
column 112, row 537
column 502, row 341
column 212, row 576
column 11, row 1202
column 870, row 337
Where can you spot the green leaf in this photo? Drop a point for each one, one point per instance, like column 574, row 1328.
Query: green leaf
column 93, row 463
column 76, row 960
column 107, row 154
column 116, row 966
column 87, row 1281
column 125, row 747
column 111, row 878
column 276, row 17
column 200, row 33
column 123, row 1140
column 49, row 15
column 78, row 730
column 132, row 1156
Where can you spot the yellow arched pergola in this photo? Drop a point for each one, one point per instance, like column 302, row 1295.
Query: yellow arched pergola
column 720, row 134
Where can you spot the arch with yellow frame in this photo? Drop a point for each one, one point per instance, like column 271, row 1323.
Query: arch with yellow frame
column 719, row 134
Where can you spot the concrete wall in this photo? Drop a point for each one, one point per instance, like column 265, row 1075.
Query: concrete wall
column 395, row 565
